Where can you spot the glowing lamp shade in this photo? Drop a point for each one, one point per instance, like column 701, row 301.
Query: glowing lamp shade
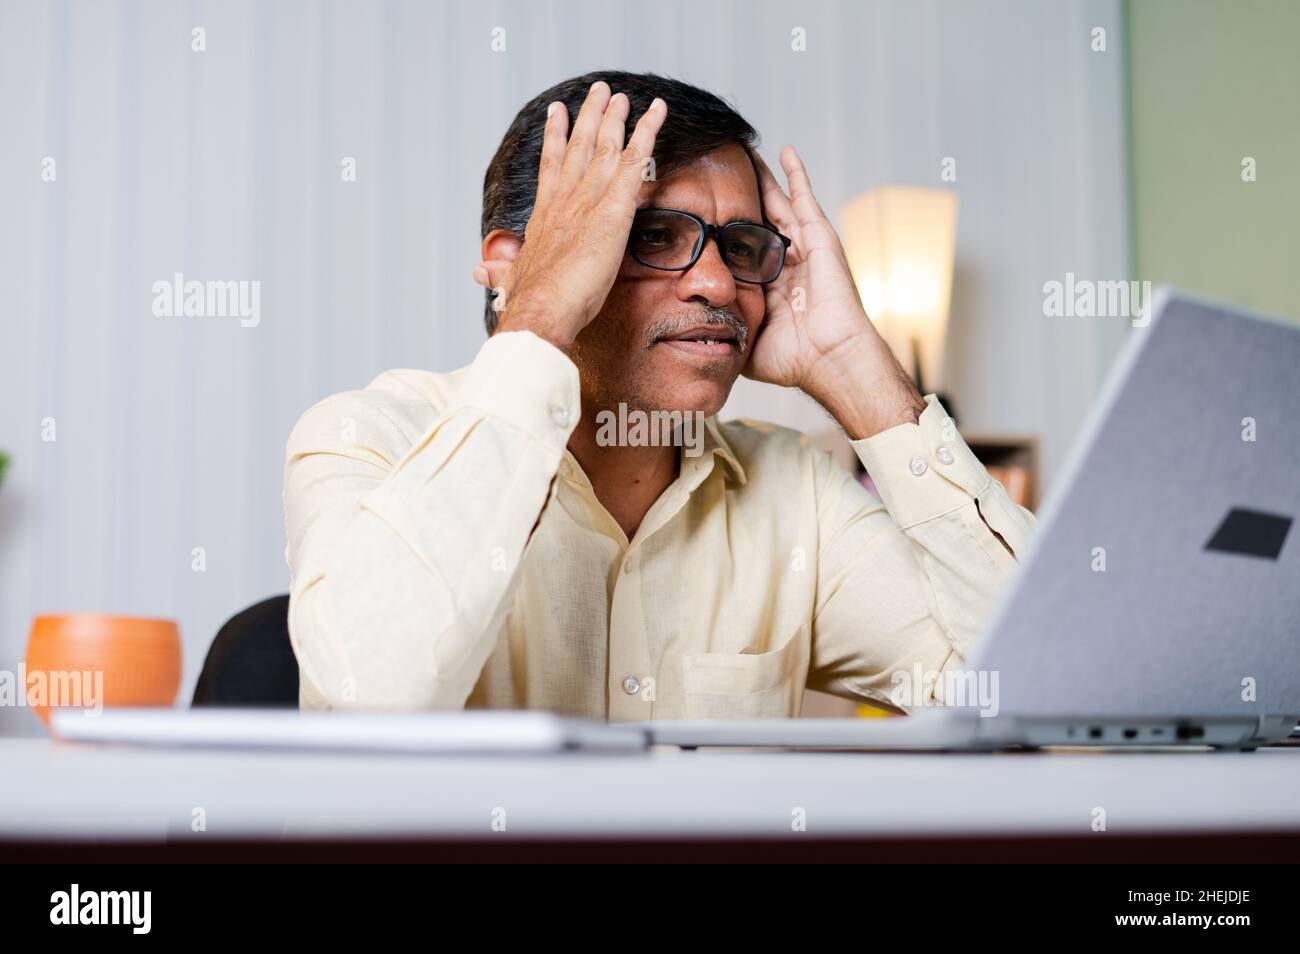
column 899, row 241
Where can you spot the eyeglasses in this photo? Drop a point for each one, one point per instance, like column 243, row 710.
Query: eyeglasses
column 673, row 240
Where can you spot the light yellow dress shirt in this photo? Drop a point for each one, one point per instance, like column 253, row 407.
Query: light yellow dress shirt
column 419, row 582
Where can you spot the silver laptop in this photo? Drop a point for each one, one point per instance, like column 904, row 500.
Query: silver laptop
column 1159, row 601
column 459, row 733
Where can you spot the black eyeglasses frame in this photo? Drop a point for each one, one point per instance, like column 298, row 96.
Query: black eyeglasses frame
column 707, row 231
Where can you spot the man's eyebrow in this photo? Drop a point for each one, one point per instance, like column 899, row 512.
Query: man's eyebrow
column 758, row 218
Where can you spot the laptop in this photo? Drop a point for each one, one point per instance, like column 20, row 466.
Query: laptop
column 504, row 732
column 1158, row 603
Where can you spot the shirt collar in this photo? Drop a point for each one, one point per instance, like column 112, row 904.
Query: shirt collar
column 716, row 443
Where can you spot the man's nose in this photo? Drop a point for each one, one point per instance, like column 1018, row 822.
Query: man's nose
column 708, row 280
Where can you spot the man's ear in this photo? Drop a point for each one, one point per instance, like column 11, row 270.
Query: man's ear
column 501, row 245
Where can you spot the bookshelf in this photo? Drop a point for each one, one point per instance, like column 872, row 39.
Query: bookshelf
column 1012, row 462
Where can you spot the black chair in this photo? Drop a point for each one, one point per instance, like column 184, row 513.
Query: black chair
column 251, row 662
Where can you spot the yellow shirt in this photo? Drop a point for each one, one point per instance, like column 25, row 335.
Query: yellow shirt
column 763, row 568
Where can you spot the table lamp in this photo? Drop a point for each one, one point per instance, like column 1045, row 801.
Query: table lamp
column 899, row 241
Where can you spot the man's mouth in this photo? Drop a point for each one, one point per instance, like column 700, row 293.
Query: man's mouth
column 707, row 340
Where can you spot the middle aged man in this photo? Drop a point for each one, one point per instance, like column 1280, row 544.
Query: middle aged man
column 476, row 538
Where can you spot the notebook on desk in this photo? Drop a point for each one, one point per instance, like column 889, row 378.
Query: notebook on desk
column 472, row 732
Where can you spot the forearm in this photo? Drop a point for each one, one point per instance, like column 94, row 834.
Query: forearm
column 925, row 470
column 400, row 575
column 383, row 616
column 910, row 584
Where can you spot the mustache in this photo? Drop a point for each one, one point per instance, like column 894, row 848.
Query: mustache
column 710, row 316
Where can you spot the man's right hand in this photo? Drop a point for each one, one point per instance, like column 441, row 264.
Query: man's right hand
column 577, row 235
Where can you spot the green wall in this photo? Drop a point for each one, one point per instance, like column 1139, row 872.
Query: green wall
column 1213, row 81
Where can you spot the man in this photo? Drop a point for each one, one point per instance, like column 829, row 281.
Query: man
column 475, row 539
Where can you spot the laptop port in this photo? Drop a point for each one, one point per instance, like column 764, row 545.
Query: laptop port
column 1186, row 732
column 1094, row 732
column 1130, row 733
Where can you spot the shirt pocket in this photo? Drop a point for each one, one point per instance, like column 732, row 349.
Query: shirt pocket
column 747, row 685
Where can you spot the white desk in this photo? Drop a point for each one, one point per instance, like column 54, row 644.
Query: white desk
column 63, row 792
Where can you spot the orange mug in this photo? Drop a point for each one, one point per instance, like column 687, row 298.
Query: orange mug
column 87, row 660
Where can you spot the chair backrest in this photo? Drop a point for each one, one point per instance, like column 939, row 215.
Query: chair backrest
column 251, row 662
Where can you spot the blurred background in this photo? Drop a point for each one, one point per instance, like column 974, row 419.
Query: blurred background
column 1155, row 141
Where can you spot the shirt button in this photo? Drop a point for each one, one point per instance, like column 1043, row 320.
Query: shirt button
column 627, row 564
column 631, row 685
column 560, row 415
column 917, row 466
column 944, row 454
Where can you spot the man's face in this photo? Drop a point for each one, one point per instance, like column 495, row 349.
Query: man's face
column 636, row 350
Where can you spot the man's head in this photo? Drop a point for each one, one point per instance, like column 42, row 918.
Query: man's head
column 702, row 166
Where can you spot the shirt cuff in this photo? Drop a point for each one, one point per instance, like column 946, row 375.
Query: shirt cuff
column 526, row 382
column 922, row 470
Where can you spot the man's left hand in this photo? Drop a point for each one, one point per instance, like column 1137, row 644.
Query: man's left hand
column 816, row 335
